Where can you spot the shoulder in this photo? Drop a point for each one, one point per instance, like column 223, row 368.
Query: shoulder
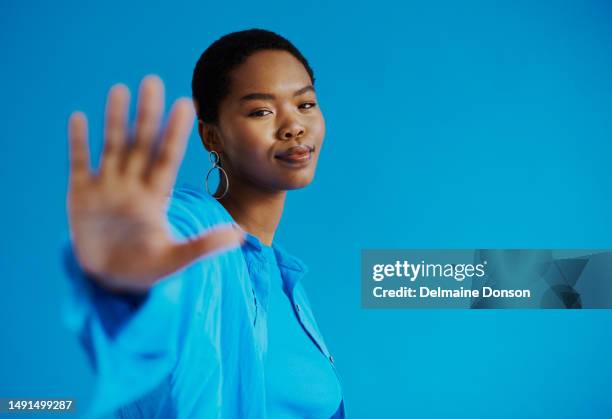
column 190, row 210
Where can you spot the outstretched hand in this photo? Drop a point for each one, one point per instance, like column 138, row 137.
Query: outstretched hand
column 117, row 217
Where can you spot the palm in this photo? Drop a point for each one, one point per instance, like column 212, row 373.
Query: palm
column 117, row 218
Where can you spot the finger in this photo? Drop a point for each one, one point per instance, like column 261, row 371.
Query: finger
column 115, row 141
column 172, row 148
column 214, row 241
column 148, row 114
column 80, row 166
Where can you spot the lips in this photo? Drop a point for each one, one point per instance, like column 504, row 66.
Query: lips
column 298, row 152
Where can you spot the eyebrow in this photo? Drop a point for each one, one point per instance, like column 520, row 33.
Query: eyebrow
column 269, row 96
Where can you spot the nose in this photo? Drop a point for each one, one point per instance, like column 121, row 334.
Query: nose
column 291, row 130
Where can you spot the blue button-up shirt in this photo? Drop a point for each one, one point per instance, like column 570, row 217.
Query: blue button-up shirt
column 191, row 347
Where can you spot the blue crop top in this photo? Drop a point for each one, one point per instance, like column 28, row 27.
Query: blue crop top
column 300, row 382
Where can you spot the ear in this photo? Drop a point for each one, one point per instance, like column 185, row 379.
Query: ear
column 209, row 137
column 208, row 132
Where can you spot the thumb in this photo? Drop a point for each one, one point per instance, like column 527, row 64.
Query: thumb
column 216, row 240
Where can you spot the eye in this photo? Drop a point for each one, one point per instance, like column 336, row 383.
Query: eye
column 307, row 105
column 259, row 113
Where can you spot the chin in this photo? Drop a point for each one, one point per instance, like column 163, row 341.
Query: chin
column 298, row 183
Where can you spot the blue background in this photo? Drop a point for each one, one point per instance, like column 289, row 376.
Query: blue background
column 452, row 124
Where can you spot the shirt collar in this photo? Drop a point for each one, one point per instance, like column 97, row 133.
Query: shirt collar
column 292, row 268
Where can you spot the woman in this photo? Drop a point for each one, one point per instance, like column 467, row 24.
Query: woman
column 185, row 304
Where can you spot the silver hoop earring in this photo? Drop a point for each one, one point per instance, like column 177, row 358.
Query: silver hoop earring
column 214, row 159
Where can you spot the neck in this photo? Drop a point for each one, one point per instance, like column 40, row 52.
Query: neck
column 256, row 210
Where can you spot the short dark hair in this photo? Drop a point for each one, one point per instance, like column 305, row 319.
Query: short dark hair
column 211, row 75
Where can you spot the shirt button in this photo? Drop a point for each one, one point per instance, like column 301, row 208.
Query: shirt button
column 297, row 307
column 331, row 359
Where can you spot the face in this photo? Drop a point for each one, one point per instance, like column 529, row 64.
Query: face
column 271, row 108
